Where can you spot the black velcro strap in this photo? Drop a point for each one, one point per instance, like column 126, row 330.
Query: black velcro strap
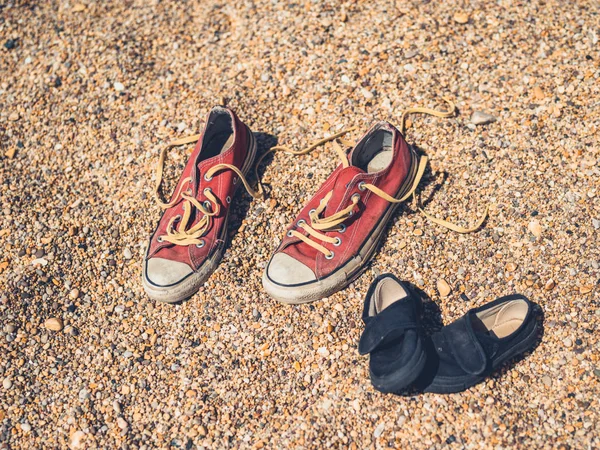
column 378, row 328
column 465, row 347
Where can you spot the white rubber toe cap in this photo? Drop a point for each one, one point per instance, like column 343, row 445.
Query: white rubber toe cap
column 164, row 272
column 285, row 270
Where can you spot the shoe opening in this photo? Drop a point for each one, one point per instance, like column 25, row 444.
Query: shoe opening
column 219, row 134
column 501, row 320
column 387, row 292
column 375, row 152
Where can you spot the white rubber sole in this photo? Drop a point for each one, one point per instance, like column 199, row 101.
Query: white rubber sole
column 190, row 285
column 346, row 274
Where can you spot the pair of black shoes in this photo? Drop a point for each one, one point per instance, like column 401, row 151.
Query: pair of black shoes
column 452, row 359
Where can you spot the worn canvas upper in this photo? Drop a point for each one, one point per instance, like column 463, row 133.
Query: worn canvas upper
column 345, row 183
column 223, row 185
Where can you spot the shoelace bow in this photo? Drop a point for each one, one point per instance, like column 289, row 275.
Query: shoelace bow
column 335, row 222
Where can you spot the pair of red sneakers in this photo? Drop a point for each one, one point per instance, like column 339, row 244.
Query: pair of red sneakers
column 323, row 250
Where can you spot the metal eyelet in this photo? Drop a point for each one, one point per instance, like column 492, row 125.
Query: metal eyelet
column 361, row 186
column 330, row 256
column 159, row 239
column 207, row 190
column 312, row 211
column 201, row 243
column 188, row 192
column 301, row 222
column 228, row 199
column 356, row 196
column 178, row 217
column 207, row 204
column 337, row 242
column 342, row 229
column 290, row 234
column 205, row 177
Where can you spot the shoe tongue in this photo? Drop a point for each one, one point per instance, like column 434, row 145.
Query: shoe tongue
column 344, row 176
column 382, row 125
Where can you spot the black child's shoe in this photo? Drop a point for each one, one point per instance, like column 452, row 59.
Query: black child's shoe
column 463, row 353
column 392, row 334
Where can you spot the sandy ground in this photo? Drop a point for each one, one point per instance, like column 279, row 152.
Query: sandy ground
column 91, row 91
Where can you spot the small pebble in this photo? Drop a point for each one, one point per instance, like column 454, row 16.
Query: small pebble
column 535, row 228
column 77, row 440
column 7, row 383
column 10, row 44
column 443, row 287
column 39, row 261
column 323, row 352
column 482, row 118
column 71, row 330
column 549, row 284
column 54, row 324
column 127, row 254
column 84, row 394
column 586, row 289
column 461, row 17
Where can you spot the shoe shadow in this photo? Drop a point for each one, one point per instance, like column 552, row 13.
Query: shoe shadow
column 243, row 200
column 434, row 323
column 405, row 207
column 438, row 181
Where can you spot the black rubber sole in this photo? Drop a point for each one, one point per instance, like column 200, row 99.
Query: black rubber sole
column 398, row 381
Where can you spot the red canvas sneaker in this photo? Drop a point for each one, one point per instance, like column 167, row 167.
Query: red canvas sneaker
column 337, row 232
column 189, row 240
